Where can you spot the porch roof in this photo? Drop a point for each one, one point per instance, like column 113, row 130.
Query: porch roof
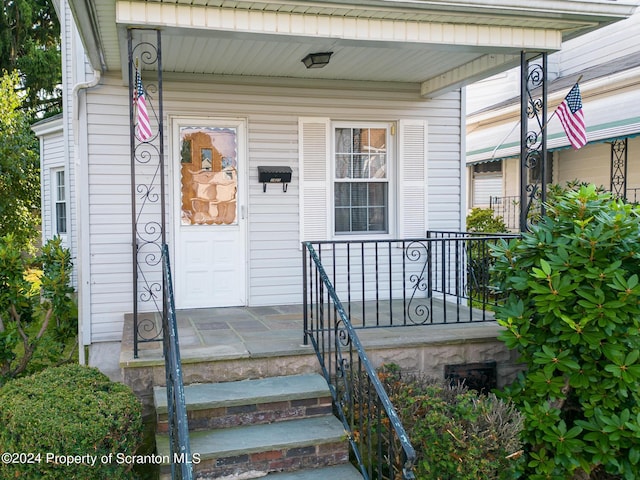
column 439, row 44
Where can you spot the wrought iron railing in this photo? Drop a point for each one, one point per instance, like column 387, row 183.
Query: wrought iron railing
column 380, row 447
column 633, row 195
column 443, row 278
column 508, row 208
column 179, row 446
column 354, row 285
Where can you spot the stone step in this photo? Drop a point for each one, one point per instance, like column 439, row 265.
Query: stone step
column 338, row 472
column 249, row 402
column 255, row 450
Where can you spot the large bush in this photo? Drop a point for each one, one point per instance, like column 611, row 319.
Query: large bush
column 37, row 313
column 457, row 434
column 574, row 316
column 67, row 411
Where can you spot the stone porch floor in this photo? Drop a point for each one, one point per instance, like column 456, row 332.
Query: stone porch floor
column 214, row 334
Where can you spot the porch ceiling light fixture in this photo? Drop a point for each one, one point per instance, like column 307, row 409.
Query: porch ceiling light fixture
column 317, row 60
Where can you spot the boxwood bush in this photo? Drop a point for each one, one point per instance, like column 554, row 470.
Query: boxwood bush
column 68, row 410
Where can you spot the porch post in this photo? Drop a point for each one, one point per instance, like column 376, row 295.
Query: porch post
column 619, row 168
column 148, row 209
column 533, row 137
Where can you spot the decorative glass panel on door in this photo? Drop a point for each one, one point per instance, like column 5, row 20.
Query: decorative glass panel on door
column 209, row 175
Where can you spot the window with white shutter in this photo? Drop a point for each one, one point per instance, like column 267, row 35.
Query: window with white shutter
column 362, row 179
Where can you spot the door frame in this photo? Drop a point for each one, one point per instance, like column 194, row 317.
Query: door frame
column 175, row 192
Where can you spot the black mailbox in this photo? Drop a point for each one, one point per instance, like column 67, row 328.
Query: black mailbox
column 274, row 175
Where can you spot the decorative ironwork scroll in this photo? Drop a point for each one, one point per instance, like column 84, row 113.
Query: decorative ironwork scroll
column 148, row 209
column 619, row 168
column 533, row 137
column 418, row 311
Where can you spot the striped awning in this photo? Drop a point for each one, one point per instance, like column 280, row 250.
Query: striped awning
column 607, row 119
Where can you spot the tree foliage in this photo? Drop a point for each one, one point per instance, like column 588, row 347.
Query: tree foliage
column 574, row 317
column 19, row 167
column 30, row 46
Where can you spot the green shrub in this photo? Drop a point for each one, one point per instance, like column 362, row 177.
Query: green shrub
column 38, row 318
column 574, row 316
column 457, row 434
column 482, row 220
column 68, row 410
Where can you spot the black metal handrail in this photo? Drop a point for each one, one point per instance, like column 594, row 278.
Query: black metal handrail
column 179, row 446
column 379, row 444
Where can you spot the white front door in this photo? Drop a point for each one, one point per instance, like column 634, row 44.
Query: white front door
column 208, row 195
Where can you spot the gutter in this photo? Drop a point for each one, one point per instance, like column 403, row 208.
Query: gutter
column 75, row 95
column 82, row 219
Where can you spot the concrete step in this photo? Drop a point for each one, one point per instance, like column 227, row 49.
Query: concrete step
column 249, row 402
column 255, row 450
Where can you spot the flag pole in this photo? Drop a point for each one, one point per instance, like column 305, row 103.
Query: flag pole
column 556, row 110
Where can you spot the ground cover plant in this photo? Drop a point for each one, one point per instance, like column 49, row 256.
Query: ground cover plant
column 573, row 315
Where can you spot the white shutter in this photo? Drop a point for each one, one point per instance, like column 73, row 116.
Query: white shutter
column 314, row 149
column 485, row 186
column 412, row 185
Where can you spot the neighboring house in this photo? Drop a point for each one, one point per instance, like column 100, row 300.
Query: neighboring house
column 374, row 140
column 607, row 62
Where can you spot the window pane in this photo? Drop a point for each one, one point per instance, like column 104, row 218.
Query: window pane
column 360, row 166
column 60, row 185
column 377, row 194
column 377, row 166
column 343, row 166
column 343, row 220
column 343, row 194
column 359, row 194
column 343, row 140
column 378, row 219
column 357, row 137
column 61, row 218
column 359, row 220
column 377, row 139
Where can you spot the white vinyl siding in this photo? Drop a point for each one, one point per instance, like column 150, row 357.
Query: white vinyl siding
column 276, row 220
column 52, row 159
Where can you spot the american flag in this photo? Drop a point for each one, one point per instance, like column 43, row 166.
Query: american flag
column 142, row 118
column 572, row 119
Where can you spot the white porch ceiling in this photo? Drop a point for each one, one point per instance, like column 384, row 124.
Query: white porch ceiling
column 439, row 44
